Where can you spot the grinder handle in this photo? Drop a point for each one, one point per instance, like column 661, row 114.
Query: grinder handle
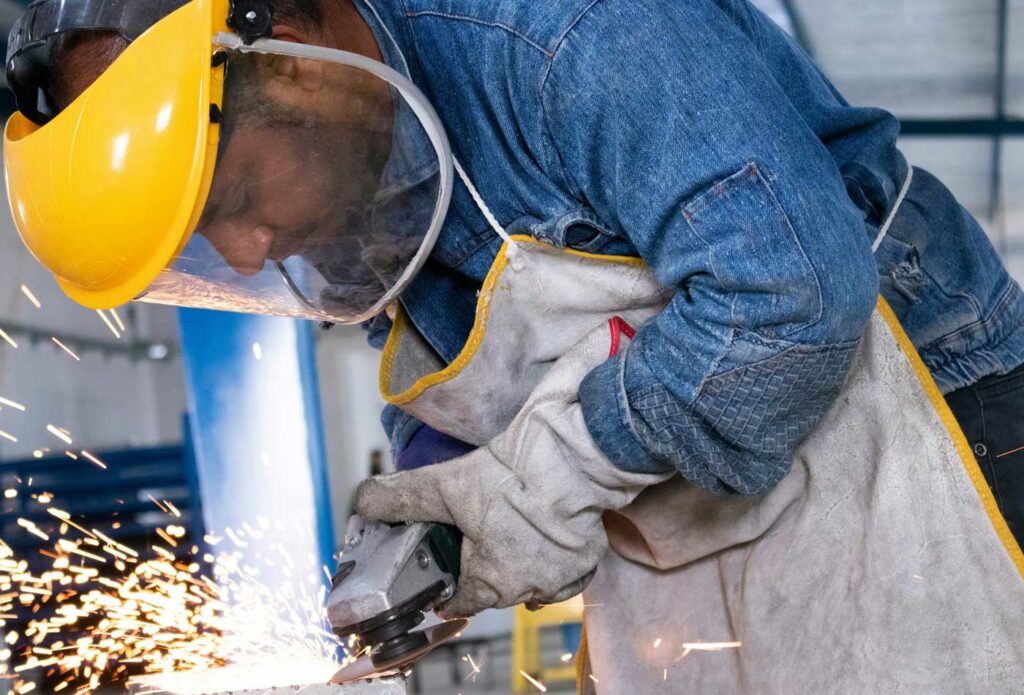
column 446, row 544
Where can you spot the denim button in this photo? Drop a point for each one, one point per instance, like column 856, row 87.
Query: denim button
column 980, row 450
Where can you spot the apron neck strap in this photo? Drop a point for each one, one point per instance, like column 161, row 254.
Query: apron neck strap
column 513, row 248
column 892, row 213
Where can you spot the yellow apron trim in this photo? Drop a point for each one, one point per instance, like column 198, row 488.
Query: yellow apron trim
column 962, row 447
column 476, row 335
column 390, row 347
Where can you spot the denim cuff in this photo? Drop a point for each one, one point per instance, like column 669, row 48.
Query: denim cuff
column 400, row 428
column 606, row 412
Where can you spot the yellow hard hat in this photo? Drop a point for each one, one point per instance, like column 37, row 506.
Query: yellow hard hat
column 106, row 192
column 192, row 172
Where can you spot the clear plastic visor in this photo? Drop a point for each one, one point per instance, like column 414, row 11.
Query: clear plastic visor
column 332, row 180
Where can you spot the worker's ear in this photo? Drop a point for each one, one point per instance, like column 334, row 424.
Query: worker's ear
column 306, row 74
column 287, row 32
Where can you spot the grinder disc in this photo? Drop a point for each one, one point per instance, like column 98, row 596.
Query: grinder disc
column 363, row 668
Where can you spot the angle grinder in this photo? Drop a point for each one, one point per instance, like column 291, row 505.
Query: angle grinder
column 390, row 576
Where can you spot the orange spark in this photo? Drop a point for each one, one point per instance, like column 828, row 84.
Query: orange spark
column 58, row 433
column 472, row 664
column 12, row 404
column 113, row 329
column 120, row 324
column 534, row 682
column 711, row 646
column 66, row 349
column 166, row 536
column 93, row 458
column 31, row 297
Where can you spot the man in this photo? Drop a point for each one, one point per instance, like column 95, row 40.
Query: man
column 694, row 136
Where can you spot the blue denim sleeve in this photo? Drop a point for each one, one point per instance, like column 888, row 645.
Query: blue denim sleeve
column 377, row 330
column 400, row 428
column 667, row 121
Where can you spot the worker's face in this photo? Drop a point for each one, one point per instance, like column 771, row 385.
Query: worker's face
column 312, row 148
column 269, row 196
column 308, row 139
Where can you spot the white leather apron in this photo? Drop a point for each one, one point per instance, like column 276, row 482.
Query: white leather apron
column 879, row 564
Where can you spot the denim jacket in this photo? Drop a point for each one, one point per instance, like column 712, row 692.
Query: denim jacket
column 696, row 135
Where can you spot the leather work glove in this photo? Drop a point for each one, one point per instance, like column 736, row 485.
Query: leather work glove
column 529, row 504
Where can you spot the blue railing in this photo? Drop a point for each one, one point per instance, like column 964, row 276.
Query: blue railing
column 127, row 500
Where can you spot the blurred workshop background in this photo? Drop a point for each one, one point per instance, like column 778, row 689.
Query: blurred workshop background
column 145, row 391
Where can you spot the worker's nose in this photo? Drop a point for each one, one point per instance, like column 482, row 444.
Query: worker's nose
column 243, row 247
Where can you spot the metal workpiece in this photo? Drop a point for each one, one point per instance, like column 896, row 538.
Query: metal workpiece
column 379, row 686
column 384, row 567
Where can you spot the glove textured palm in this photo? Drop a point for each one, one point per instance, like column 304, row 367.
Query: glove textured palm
column 529, row 503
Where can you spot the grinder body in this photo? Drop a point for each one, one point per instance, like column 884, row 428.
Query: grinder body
column 389, row 576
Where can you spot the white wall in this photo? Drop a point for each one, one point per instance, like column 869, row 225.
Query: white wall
column 351, row 406
column 1012, row 239
column 917, row 58
column 104, row 401
column 777, row 11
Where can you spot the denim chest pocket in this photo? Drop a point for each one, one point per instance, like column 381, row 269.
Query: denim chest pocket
column 755, row 255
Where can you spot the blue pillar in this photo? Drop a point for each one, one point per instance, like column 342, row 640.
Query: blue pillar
column 257, row 431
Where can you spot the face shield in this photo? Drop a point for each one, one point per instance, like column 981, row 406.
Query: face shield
column 326, row 194
column 271, row 177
